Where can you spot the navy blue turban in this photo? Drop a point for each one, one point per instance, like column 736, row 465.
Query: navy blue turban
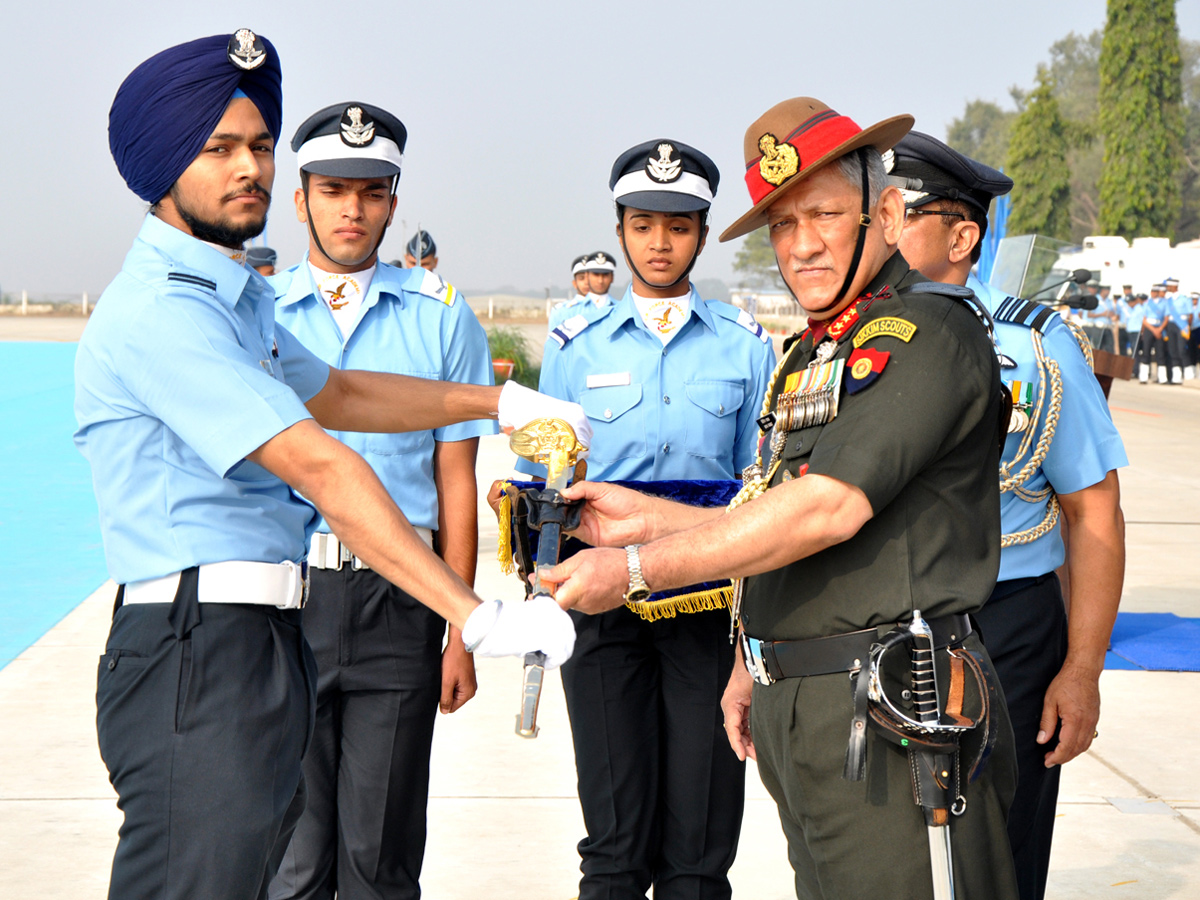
column 168, row 106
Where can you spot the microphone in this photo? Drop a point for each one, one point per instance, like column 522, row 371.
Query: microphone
column 1079, row 301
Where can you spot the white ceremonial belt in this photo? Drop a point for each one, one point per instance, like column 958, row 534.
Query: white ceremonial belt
column 327, row 552
column 236, row 581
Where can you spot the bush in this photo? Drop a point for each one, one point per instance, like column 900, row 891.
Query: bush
column 511, row 343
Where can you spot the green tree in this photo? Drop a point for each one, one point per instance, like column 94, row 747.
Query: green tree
column 1075, row 69
column 1037, row 164
column 982, row 132
column 1188, row 227
column 755, row 262
column 1141, row 118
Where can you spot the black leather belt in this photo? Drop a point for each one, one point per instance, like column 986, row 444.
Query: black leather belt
column 835, row 653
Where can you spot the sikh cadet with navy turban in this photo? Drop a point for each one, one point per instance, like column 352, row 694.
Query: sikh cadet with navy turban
column 203, row 424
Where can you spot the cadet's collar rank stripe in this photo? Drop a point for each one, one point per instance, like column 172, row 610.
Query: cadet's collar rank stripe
column 888, row 326
column 748, row 322
column 192, row 279
column 864, row 365
column 569, row 329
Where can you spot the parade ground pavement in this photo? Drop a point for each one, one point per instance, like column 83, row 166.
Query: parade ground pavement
column 503, row 815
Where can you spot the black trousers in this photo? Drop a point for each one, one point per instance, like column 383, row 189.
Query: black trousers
column 203, row 713
column 378, row 653
column 1024, row 627
column 1171, row 351
column 661, row 790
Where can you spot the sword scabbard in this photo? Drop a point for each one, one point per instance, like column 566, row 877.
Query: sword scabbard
column 531, row 694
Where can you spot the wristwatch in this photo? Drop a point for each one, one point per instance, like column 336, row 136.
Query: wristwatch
column 638, row 589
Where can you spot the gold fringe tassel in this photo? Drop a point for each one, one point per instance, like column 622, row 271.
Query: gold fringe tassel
column 504, row 551
column 669, row 607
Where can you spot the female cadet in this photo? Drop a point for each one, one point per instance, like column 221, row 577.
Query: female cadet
column 672, row 385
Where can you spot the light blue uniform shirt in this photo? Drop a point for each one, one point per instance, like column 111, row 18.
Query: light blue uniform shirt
column 1133, row 321
column 1100, row 315
column 180, row 373
column 1181, row 308
column 580, row 303
column 1157, row 310
column 1086, row 446
column 684, row 411
column 406, row 327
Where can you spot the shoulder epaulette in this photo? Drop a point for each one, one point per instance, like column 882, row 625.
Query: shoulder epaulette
column 572, row 327
column 1033, row 315
column 739, row 315
column 194, row 280
column 432, row 285
column 959, row 292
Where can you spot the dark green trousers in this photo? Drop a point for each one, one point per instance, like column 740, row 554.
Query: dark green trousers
column 850, row 840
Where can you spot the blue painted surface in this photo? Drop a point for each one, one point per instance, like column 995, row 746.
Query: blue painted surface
column 51, row 558
column 1159, row 642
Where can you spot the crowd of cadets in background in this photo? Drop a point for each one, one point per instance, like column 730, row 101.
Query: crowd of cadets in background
column 1145, row 326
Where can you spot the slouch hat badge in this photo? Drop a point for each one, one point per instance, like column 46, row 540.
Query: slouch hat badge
column 355, row 131
column 668, row 167
column 246, row 50
column 779, row 161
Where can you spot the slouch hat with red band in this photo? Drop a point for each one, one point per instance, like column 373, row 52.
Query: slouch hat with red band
column 795, row 138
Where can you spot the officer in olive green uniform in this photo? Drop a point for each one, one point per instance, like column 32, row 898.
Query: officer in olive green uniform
column 874, row 497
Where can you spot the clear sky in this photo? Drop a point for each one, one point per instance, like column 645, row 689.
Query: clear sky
column 515, row 111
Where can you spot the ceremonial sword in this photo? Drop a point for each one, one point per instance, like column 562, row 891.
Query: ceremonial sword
column 927, row 705
column 552, row 443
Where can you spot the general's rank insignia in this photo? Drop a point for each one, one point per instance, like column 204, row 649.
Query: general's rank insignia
column 888, row 326
column 864, row 366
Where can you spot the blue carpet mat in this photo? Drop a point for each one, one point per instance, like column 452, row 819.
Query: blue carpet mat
column 49, row 529
column 1160, row 642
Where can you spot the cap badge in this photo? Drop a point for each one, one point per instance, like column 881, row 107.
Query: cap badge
column 355, row 131
column 779, row 161
column 668, row 167
column 246, row 50
column 601, row 258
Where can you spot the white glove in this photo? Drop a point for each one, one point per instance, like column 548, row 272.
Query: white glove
column 520, row 405
column 518, row 627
